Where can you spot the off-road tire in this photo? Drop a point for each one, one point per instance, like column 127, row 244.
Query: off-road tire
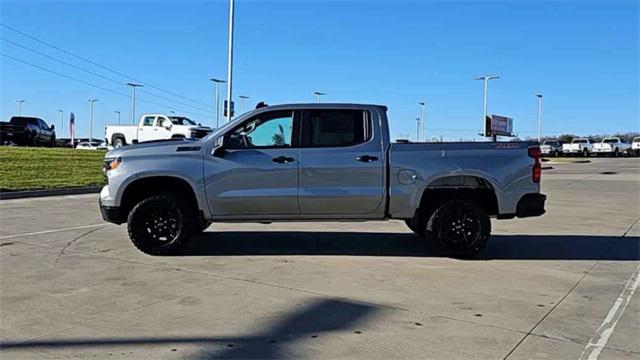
column 411, row 224
column 461, row 226
column 161, row 224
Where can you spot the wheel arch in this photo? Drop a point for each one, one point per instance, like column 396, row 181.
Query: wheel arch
column 472, row 187
column 146, row 186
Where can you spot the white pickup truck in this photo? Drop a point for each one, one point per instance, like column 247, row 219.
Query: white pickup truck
column 154, row 127
column 578, row 146
column 613, row 146
column 635, row 146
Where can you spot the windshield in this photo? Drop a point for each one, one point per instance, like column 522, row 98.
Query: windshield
column 180, row 120
column 610, row 141
column 580, row 141
column 550, row 143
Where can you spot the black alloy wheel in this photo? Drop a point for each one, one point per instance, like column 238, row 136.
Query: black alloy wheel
column 461, row 226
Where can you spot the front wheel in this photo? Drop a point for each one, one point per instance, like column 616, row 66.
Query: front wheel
column 461, row 226
column 161, row 224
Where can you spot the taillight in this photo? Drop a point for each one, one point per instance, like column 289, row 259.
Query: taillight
column 536, row 173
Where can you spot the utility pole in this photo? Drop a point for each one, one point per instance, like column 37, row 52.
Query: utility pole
column 118, row 113
column 318, row 94
column 230, row 61
column 242, row 98
column 91, row 101
column 421, row 122
column 19, row 102
column 133, row 101
column 539, row 96
column 486, row 79
column 218, row 82
column 61, row 121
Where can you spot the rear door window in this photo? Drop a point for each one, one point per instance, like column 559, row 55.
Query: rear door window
column 148, row 120
column 335, row 128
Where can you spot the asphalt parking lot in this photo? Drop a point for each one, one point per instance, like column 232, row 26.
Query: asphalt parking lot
column 555, row 287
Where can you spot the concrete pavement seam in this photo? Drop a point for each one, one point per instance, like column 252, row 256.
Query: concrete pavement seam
column 562, row 299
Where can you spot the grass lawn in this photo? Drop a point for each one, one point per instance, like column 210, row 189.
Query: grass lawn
column 24, row 168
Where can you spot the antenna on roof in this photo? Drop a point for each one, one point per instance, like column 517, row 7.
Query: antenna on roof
column 261, row 104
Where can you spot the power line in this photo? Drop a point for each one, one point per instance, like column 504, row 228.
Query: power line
column 94, row 85
column 99, row 65
column 98, row 75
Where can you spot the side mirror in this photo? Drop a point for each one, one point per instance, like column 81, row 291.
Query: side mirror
column 218, row 148
column 53, row 127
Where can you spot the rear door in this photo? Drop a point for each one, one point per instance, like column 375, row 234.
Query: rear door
column 341, row 163
column 256, row 175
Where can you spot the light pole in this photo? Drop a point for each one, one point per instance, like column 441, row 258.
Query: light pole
column 61, row 121
column 19, row 102
column 172, row 112
column 318, row 94
column 230, row 61
column 91, row 101
column 133, row 101
column 486, row 79
column 421, row 129
column 242, row 98
column 417, row 129
column 218, row 82
column 539, row 96
column 118, row 113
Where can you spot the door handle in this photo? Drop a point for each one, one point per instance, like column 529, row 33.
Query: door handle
column 283, row 159
column 366, row 158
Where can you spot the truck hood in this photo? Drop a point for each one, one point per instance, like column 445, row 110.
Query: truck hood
column 158, row 146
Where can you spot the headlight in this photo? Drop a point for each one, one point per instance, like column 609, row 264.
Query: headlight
column 111, row 164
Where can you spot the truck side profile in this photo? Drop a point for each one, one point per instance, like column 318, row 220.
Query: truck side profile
column 154, row 127
column 318, row 162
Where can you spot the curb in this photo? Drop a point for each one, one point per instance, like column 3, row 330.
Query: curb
column 49, row 192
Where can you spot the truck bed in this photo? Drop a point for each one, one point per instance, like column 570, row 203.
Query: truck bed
column 506, row 166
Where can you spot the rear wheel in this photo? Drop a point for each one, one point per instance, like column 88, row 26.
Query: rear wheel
column 461, row 226
column 118, row 142
column 585, row 153
column 161, row 224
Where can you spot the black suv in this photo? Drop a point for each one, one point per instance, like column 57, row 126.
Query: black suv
column 29, row 131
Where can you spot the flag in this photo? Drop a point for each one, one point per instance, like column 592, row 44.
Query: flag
column 72, row 128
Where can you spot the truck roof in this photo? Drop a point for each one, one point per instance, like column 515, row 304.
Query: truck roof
column 321, row 105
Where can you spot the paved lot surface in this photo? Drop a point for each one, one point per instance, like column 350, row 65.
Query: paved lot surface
column 74, row 287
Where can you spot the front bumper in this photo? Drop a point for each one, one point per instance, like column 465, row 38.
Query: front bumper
column 111, row 214
column 531, row 205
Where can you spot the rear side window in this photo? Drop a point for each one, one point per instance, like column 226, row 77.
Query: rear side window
column 334, row 128
column 148, row 120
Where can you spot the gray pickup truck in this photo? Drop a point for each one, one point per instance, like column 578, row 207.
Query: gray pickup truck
column 318, row 162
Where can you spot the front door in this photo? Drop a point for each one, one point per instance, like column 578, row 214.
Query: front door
column 256, row 173
column 146, row 129
column 341, row 166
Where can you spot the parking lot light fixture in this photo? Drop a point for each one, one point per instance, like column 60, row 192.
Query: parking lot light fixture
column 19, row 102
column 91, row 101
column 539, row 96
column 61, row 121
column 242, row 98
column 133, row 101
column 486, row 79
column 318, row 94
column 421, row 133
column 218, row 82
column 230, row 60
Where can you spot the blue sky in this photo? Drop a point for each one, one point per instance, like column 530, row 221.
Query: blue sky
column 582, row 55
